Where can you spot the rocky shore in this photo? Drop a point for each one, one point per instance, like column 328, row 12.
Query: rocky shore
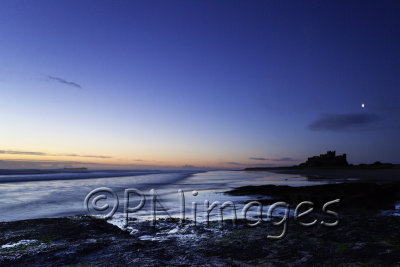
column 359, row 240
column 357, row 196
column 363, row 237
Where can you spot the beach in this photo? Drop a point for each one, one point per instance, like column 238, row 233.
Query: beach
column 366, row 233
column 359, row 240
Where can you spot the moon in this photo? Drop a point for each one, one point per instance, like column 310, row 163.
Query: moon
column 362, row 105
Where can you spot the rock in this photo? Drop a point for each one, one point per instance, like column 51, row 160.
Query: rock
column 305, row 259
column 358, row 246
column 78, row 241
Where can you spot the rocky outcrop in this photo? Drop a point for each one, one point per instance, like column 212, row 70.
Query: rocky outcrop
column 82, row 241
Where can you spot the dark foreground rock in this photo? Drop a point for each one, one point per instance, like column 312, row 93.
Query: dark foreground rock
column 357, row 240
column 351, row 195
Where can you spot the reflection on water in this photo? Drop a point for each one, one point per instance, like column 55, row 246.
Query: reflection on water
column 56, row 198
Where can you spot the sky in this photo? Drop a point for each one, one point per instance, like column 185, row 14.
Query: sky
column 221, row 84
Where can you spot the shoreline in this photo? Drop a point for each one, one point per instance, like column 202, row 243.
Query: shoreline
column 363, row 235
column 60, row 176
column 365, row 175
column 358, row 239
column 352, row 196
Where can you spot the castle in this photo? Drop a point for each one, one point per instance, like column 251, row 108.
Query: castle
column 326, row 160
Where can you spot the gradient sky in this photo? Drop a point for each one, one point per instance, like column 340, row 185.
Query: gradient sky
column 203, row 83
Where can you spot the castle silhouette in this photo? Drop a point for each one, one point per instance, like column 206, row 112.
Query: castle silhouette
column 324, row 160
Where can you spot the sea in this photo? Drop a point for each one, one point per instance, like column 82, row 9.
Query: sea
column 172, row 193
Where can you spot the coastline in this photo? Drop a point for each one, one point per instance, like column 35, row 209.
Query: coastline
column 47, row 175
column 357, row 240
column 364, row 234
column 365, row 175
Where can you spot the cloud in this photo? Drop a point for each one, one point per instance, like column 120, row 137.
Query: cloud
column 49, row 164
column 256, row 158
column 283, row 159
column 82, row 156
column 61, row 80
column 30, row 153
column 272, row 159
column 13, row 152
column 233, row 163
column 343, row 122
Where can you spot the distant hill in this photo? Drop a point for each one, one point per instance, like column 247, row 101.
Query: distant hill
column 41, row 171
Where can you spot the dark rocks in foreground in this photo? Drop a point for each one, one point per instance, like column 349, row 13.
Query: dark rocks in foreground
column 357, row 240
column 351, row 195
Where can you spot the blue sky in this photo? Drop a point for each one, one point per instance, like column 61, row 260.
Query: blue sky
column 203, row 83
